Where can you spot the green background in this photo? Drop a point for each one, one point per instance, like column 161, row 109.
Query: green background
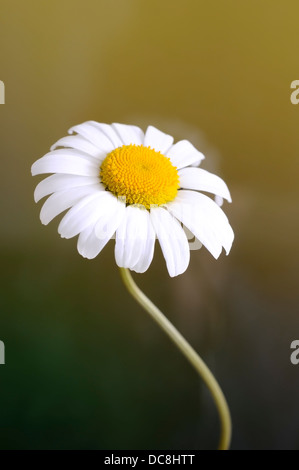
column 85, row 367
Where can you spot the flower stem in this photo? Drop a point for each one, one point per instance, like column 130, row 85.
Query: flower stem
column 189, row 353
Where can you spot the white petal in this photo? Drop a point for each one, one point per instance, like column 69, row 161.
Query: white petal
column 87, row 243
column 129, row 134
column 110, row 221
column 157, row 140
column 108, row 131
column 66, row 161
column 86, row 212
column 193, row 242
column 133, row 249
column 172, row 239
column 205, row 219
column 147, row 252
column 94, row 238
column 148, row 249
column 63, row 200
column 219, row 200
column 128, row 237
column 59, row 182
column 183, row 153
column 94, row 135
column 79, row 143
column 202, row 180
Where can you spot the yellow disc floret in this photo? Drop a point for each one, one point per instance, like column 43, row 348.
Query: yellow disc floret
column 140, row 175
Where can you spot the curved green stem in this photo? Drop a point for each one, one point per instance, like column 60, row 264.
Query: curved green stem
column 189, row 353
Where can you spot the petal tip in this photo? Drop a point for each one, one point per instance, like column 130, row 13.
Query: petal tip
column 33, row 169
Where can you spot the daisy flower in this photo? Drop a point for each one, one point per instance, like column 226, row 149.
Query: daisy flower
column 117, row 181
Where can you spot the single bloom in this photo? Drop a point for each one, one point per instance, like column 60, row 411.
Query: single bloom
column 117, row 181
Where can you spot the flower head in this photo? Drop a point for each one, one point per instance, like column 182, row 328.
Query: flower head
column 115, row 180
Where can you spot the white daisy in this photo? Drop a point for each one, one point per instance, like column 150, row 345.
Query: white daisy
column 116, row 180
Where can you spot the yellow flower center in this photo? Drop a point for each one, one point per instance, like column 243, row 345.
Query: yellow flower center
column 140, row 175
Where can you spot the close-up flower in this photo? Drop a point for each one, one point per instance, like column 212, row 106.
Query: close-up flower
column 147, row 138
column 116, row 180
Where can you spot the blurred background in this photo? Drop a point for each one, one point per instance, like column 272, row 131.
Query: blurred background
column 86, row 368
